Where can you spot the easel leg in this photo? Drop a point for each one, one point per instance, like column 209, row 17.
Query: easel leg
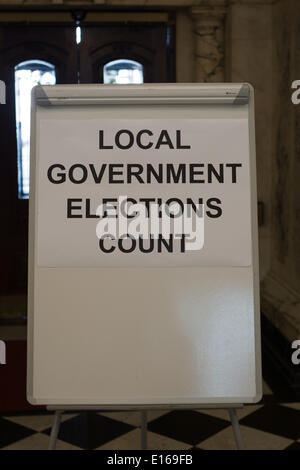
column 143, row 430
column 236, row 429
column 55, row 430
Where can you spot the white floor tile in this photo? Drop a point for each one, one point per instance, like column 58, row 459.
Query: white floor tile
column 224, row 413
column 294, row 406
column 133, row 417
column 253, row 440
column 38, row 442
column 37, row 422
column 132, row 441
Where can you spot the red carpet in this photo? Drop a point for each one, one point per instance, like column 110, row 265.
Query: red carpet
column 13, row 378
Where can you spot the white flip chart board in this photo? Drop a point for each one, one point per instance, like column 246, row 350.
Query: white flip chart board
column 171, row 320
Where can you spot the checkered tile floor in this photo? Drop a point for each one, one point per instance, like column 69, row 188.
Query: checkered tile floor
column 273, row 424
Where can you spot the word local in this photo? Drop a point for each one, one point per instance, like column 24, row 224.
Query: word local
column 124, row 139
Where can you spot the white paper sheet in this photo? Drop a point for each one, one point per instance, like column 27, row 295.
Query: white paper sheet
column 67, row 242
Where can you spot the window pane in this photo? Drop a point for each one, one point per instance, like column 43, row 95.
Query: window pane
column 27, row 75
column 78, row 34
column 122, row 72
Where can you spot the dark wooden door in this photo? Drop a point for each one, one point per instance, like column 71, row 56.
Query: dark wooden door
column 19, row 43
column 149, row 44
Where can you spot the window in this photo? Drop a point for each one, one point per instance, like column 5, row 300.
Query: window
column 27, row 75
column 122, row 72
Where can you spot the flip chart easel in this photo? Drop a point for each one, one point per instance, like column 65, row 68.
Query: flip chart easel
column 137, row 332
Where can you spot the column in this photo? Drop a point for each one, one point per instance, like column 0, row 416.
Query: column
column 209, row 39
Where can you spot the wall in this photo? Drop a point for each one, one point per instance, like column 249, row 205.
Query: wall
column 281, row 288
column 250, row 60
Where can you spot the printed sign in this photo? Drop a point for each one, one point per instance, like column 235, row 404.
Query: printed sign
column 143, row 193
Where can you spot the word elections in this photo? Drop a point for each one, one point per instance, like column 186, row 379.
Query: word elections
column 78, row 208
column 120, row 173
column 125, row 139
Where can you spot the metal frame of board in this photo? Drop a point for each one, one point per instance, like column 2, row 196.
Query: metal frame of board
column 47, row 97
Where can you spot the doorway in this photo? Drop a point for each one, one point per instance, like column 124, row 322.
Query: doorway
column 96, row 48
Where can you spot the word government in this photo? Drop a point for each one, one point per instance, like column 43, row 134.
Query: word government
column 162, row 173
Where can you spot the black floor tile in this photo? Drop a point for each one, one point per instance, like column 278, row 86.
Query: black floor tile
column 275, row 419
column 11, row 432
column 89, row 430
column 283, row 392
column 187, row 426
